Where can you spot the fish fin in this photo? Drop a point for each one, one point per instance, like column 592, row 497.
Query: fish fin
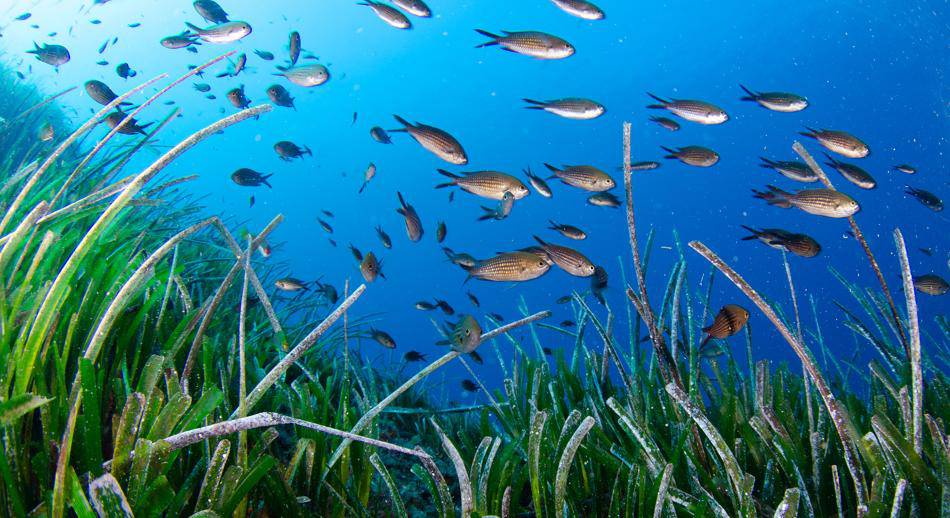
column 831, row 160
column 768, row 163
column 307, row 151
column 755, row 233
column 705, row 340
column 552, row 169
column 401, row 200
column 361, row 188
column 811, row 133
column 264, row 178
column 444, row 185
column 540, row 241
column 663, row 102
column 453, row 176
column 750, row 97
column 193, row 27
column 672, row 153
column 406, row 124
column 538, row 105
column 487, row 34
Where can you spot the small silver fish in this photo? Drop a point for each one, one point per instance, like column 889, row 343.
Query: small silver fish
column 227, row 32
column 840, row 142
column 388, row 14
column 570, row 260
column 798, row 171
column 697, row 156
column 580, row 8
column 413, row 224
column 294, row 47
column 530, row 43
column 585, row 177
column 700, row 112
column 852, row 173
column 487, row 184
column 540, row 186
column 414, row 7
column 570, row 107
column 776, row 101
column 820, row 202
column 437, row 141
column 306, row 75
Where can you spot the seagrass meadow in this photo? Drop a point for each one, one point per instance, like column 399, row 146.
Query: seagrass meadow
column 149, row 370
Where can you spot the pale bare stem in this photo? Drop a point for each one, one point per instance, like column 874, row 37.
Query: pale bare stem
column 801, row 338
column 661, row 493
column 128, row 118
column 242, row 365
column 28, row 186
column 465, row 485
column 432, row 367
column 859, row 236
column 267, row 419
column 916, row 372
column 838, row 413
column 171, row 183
column 302, row 347
column 567, row 459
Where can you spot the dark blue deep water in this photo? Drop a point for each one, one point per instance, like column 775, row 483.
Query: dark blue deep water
column 875, row 69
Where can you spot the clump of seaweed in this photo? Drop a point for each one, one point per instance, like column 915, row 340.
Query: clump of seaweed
column 110, row 288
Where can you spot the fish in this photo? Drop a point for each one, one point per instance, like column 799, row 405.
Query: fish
column 101, row 93
column 840, row 142
column 95, row 21
column 852, row 173
column 502, row 211
column 239, row 65
column 413, row 224
column 382, row 338
column 124, row 71
column 473, row 299
column 776, row 101
column 325, row 226
column 291, row 284
column 567, row 323
column 497, row 317
column 820, row 202
column 356, row 253
column 46, row 133
column 436, row 141
column 210, row 11
column 237, row 97
column 486, row 184
column 280, row 96
column 666, row 123
column 102, row 48
column 414, row 356
column 287, row 150
column 729, row 321
column 581, row 9
column 926, row 251
column 568, row 259
column 380, row 135
column 414, row 7
column 798, row 171
column 370, row 267
column 604, row 199
column 585, row 177
column 508, row 267
column 211, row 96
column 328, row 291
column 563, row 299
column 570, row 107
column 355, row 116
column 251, row 201
column 102, row 63
column 130, row 127
column 469, row 386
column 440, row 232
column 547, row 351
column 384, row 237
column 24, row 16
column 445, row 307
column 179, row 41
column 536, row 44
column 801, row 245
column 201, row 87
column 306, row 76
column 904, row 168
column 644, row 166
column 294, row 47
column 246, row 177
column 424, row 305
column 540, row 186
column 226, row 32
column 477, row 358
column 368, row 175
column 926, row 198
column 327, row 213
column 464, row 336
column 388, row 14
column 263, row 54
column 598, row 284
column 700, row 112
column 51, row 54
column 459, row 259
column 931, row 284
column 568, row 231
column 697, row 156
column 133, row 25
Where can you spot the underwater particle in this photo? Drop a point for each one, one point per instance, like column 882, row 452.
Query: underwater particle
column 502, row 211
column 440, row 232
column 294, row 46
column 926, row 198
column 263, row 54
column 210, row 11
column 598, row 284
column 820, row 202
column 904, row 168
column 130, row 127
column 291, row 284
column 568, row 231
column 729, row 321
column 469, row 386
column 840, row 142
column 237, row 98
column 570, row 108
column 852, row 173
column 487, row 184
column 287, row 150
column 697, row 156
column 382, row 338
column 370, row 267
column 700, row 112
column 540, row 186
column 585, row 177
column 383, row 237
column 414, row 356
column 414, row 228
column 280, row 96
column 50, row 53
column 776, row 101
column 305, row 75
column 536, row 44
column 604, row 199
column 368, row 175
column 463, row 336
column 581, row 9
column 414, row 7
column 801, row 245
column 931, row 284
column 379, row 135
column 568, row 259
column 247, row 177
column 222, row 33
column 388, row 14
column 798, row 171
column 508, row 267
column 179, row 41
column 436, row 141
column 666, row 123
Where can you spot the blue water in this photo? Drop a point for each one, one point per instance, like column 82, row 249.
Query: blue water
column 875, row 69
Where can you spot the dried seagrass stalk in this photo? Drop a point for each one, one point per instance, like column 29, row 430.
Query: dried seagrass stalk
column 916, row 372
column 564, row 465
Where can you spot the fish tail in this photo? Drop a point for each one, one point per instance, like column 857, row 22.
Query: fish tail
column 453, row 176
column 537, row 105
column 811, row 133
column 769, row 164
column 406, row 124
column 361, row 188
column 663, row 102
column 552, row 169
column 755, row 233
column 193, row 27
column 306, row 150
column 494, row 38
column 264, row 179
column 750, row 97
column 401, row 200
column 540, row 241
column 831, row 160
column 672, row 153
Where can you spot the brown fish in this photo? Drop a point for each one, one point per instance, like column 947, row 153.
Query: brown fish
column 382, row 338
column 604, row 199
column 798, row 171
column 729, row 321
column 570, row 260
column 287, row 150
column 926, row 198
column 440, row 232
column 130, row 127
column 839, row 142
column 931, row 284
column 820, row 202
column 665, row 123
column 388, row 14
column 101, row 93
column 568, row 231
column 697, row 156
column 509, row 267
column 237, row 98
column 538, row 183
column 487, row 184
column 776, row 101
column 370, row 267
column 799, row 244
column 585, row 177
column 413, row 224
column 384, row 237
column 580, row 8
column 694, row 111
column 852, row 173
column 434, row 140
column 529, row 43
